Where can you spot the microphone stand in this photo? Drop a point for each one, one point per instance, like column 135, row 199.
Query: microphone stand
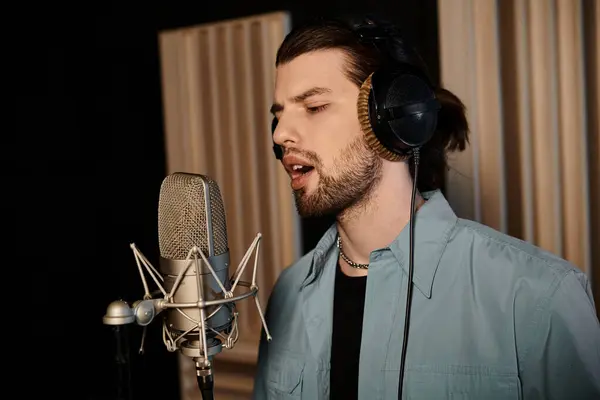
column 122, row 361
column 143, row 312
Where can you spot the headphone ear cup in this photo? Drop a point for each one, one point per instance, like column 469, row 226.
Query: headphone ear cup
column 370, row 124
column 415, row 110
column 276, row 148
column 367, row 117
column 398, row 112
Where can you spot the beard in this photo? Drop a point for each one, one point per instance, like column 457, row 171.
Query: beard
column 356, row 173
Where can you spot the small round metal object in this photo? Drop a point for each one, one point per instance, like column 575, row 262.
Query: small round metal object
column 144, row 312
column 118, row 313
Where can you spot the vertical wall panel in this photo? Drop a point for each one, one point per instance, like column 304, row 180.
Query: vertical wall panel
column 218, row 81
column 591, row 29
column 488, row 120
column 457, row 69
column 544, row 129
column 522, row 107
column 572, row 116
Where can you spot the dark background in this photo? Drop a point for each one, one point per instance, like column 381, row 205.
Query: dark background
column 85, row 161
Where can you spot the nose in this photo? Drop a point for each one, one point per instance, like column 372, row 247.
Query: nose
column 284, row 133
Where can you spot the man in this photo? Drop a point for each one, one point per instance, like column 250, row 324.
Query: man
column 491, row 317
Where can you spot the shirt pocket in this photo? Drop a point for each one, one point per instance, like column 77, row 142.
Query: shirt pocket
column 284, row 376
column 461, row 383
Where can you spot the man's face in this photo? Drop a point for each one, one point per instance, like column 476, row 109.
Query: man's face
column 325, row 154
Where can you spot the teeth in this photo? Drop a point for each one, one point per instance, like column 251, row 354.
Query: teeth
column 297, row 167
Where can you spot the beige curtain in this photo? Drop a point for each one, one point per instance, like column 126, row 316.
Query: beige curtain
column 528, row 73
column 217, row 82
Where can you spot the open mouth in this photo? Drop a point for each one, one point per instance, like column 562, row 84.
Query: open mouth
column 300, row 175
column 298, row 170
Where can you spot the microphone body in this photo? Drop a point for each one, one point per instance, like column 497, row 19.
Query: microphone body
column 196, row 293
column 188, row 292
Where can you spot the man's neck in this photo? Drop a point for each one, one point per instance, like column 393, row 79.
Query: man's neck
column 377, row 222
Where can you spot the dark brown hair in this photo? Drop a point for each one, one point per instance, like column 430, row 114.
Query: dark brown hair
column 452, row 127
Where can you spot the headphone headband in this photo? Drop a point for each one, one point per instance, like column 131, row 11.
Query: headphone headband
column 384, row 36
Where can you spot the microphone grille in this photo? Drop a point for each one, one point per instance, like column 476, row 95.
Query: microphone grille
column 191, row 213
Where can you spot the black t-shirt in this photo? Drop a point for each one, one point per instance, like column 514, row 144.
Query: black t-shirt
column 348, row 307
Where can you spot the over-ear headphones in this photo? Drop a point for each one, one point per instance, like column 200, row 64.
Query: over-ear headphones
column 397, row 106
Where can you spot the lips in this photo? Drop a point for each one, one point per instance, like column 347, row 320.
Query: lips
column 298, row 169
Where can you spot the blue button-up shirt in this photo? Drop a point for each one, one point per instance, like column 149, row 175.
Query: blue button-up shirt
column 492, row 317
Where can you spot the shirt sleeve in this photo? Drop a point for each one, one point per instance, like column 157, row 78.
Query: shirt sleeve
column 563, row 357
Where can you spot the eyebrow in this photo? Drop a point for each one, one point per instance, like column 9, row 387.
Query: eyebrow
column 301, row 97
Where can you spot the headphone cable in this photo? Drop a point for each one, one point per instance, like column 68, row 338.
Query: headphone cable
column 410, row 273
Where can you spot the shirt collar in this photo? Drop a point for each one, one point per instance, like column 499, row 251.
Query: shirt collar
column 434, row 222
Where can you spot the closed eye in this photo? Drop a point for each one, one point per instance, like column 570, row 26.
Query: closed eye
column 314, row 110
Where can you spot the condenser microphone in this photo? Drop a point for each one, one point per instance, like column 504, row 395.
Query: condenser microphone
column 195, row 292
column 191, row 214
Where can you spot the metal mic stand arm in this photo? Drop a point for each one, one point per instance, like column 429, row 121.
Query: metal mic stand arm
column 253, row 286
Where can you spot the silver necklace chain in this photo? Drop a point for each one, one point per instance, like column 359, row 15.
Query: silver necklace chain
column 349, row 261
